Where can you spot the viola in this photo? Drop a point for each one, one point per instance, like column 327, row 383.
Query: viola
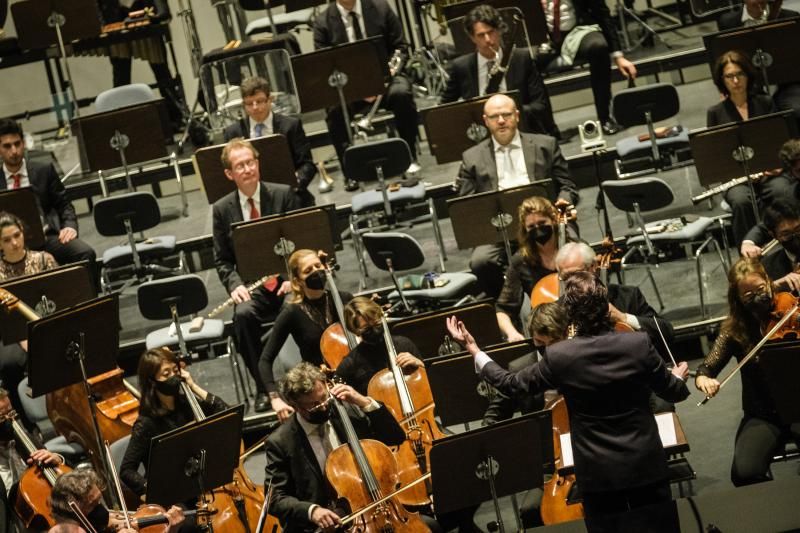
column 363, row 473
column 555, row 506
column 336, row 341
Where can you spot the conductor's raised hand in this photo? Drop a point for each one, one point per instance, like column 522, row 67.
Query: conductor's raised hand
column 459, row 332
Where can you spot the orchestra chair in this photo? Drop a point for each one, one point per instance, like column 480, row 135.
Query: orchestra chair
column 123, row 96
column 185, row 296
column 383, row 206
column 636, row 195
column 280, row 22
column 647, row 105
column 36, row 412
column 126, row 214
column 394, row 251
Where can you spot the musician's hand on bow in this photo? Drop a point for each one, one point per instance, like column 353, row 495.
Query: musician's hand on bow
column 281, row 408
column 459, row 332
column 45, row 457
column 66, row 235
column 790, row 281
column 626, row 68
column 324, row 518
column 348, row 394
column 240, row 294
column 408, row 362
column 750, row 249
column 285, row 288
column 681, row 371
column 706, row 385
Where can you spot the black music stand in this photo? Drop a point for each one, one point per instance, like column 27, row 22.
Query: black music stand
column 71, row 346
column 461, row 396
column 453, row 128
column 491, row 462
column 46, row 293
column 768, row 45
column 274, row 159
column 340, row 74
column 23, row 203
column 491, row 217
column 728, row 151
column 201, row 456
column 780, row 364
column 264, row 245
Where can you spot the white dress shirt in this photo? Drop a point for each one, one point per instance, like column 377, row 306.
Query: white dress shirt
column 268, row 127
column 348, row 26
column 23, row 173
column 567, row 19
column 483, row 74
column 245, row 205
column 518, row 173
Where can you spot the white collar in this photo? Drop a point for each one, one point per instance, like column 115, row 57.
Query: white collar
column 516, row 142
column 482, row 60
column 256, row 196
column 268, row 123
column 345, row 13
column 23, row 170
column 746, row 16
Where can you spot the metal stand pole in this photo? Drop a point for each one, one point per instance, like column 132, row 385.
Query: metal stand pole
column 338, row 80
column 56, row 20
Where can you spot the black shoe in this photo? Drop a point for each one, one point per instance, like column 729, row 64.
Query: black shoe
column 610, row 127
column 262, row 403
column 351, row 185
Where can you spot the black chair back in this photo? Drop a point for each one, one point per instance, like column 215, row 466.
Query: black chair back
column 631, row 105
column 188, row 292
column 361, row 161
column 649, row 193
column 141, row 208
column 403, row 250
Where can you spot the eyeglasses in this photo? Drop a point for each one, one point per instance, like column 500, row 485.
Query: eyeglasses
column 497, row 116
column 321, row 406
column 250, row 164
column 256, row 103
column 749, row 296
column 735, row 76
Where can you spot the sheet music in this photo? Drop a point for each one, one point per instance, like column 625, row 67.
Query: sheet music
column 566, row 449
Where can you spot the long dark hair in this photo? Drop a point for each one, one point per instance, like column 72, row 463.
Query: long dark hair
column 149, row 365
column 586, row 302
column 741, row 60
column 741, row 325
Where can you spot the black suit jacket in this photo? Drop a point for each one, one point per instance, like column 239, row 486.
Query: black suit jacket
column 543, row 159
column 297, row 480
column 379, row 19
column 784, row 187
column 777, row 264
column 725, row 112
column 292, row 129
column 606, row 381
column 733, row 19
column 522, row 76
column 275, row 199
column 56, row 209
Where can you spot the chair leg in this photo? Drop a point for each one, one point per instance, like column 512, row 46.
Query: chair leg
column 357, row 248
column 437, row 233
column 698, row 258
column 234, row 368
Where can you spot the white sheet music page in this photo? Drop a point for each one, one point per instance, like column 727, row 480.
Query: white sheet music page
column 566, row 450
column 666, row 429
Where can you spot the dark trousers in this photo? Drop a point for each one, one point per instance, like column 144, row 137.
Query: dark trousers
column 399, row 99
column 121, row 71
column 72, row 252
column 603, row 509
column 594, row 49
column 248, row 319
column 757, row 441
column 489, row 262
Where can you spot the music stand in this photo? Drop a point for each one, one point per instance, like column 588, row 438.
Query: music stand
column 490, row 217
column 190, row 460
column 23, row 203
column 491, row 462
column 71, row 346
column 768, row 45
column 45, row 293
column 274, row 158
column 453, row 128
column 728, row 151
column 121, row 137
column 264, row 245
column 341, row 74
column 780, row 363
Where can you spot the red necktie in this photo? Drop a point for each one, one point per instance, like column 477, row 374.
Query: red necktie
column 17, row 181
column 254, row 214
column 556, row 21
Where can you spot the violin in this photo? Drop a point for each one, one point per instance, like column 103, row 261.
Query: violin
column 364, row 473
column 548, row 289
column 410, row 400
column 336, row 341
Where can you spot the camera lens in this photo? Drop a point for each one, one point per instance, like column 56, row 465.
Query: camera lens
column 589, row 127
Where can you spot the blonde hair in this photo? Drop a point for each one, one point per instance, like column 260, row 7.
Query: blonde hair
column 529, row 206
column 294, row 269
column 235, row 144
column 364, row 308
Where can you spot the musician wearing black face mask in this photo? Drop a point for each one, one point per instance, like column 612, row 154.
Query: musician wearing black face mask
column 163, row 408
column 305, row 315
column 362, row 316
column 536, row 258
column 761, row 432
column 782, row 220
column 297, row 451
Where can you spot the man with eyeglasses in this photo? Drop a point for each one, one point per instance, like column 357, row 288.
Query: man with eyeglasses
column 470, row 73
column 261, row 120
column 782, row 220
column 252, row 199
column 509, row 158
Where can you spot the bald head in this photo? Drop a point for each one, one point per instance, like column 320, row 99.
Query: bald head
column 501, row 116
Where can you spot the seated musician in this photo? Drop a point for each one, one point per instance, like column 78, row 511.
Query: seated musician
column 470, row 73
column 782, row 220
column 297, row 451
column 761, row 432
column 58, row 214
column 305, row 316
column 736, row 79
column 252, row 199
column 508, row 159
column 783, row 187
column 605, row 378
column 82, row 486
column 257, row 103
column 345, row 21
column 163, row 408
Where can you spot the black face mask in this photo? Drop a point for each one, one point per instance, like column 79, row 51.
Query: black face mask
column 98, row 517
column 170, row 386
column 792, row 245
column 540, row 234
column 373, row 335
column 761, row 305
column 320, row 416
column 316, row 280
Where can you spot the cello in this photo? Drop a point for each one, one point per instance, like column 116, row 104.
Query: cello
column 548, row 289
column 336, row 341
column 410, row 400
column 364, row 473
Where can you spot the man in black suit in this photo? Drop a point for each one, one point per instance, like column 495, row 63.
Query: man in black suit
column 251, row 199
column 574, row 37
column 606, row 379
column 260, row 121
column 469, row 74
column 509, row 158
column 58, row 214
column 345, row 21
column 297, row 450
column 782, row 220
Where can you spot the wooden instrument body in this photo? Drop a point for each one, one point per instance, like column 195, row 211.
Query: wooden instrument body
column 546, row 290
column 555, row 508
column 32, row 500
column 782, row 304
column 227, row 499
column 334, row 345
